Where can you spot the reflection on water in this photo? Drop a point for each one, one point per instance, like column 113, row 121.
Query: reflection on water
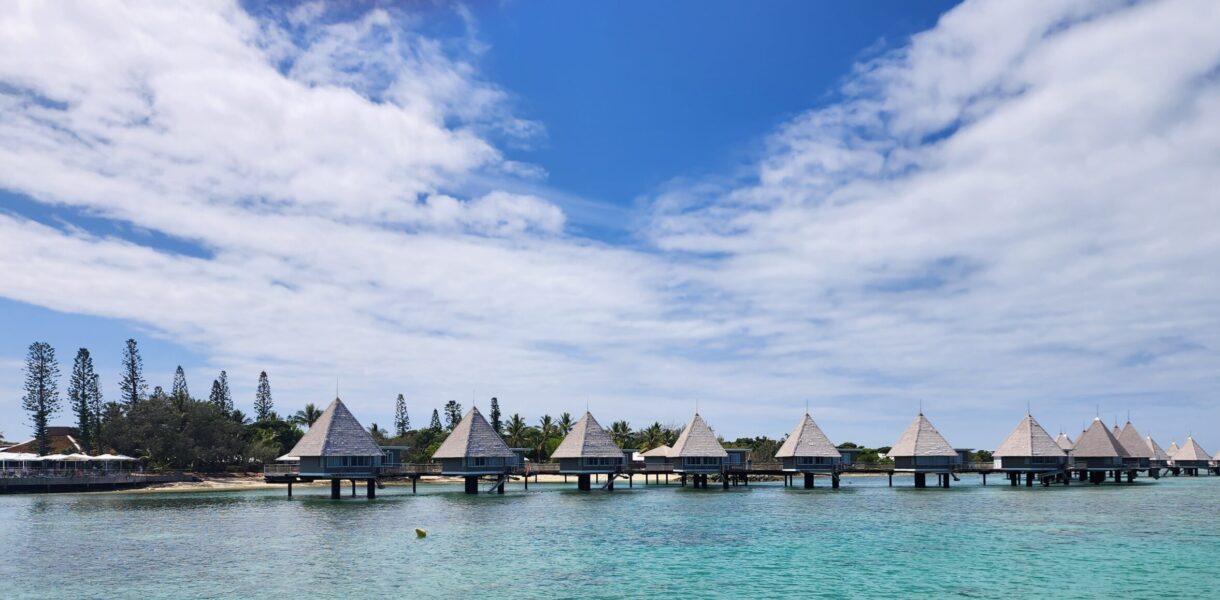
column 552, row 541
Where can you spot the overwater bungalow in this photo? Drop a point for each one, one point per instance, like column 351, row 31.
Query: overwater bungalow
column 698, row 453
column 1171, row 450
column 589, row 450
column 1138, row 454
column 473, row 450
column 1190, row 458
column 1159, row 458
column 807, row 450
column 1064, row 442
column 922, row 450
column 1099, row 452
column 336, row 447
column 1031, row 451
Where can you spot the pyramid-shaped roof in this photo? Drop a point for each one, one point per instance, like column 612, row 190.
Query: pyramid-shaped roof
column 807, row 440
column 1098, row 442
column 587, row 439
column 662, row 450
column 697, row 440
column 1134, row 442
column 473, row 437
column 336, row 433
column 1191, row 450
column 1172, row 449
column 1155, row 449
column 921, row 439
column 1064, row 441
column 1028, row 439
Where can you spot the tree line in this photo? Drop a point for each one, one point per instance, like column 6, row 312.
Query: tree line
column 174, row 429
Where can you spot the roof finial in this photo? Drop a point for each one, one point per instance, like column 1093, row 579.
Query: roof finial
column 696, row 407
column 921, row 407
column 336, row 387
column 806, row 407
column 1027, row 409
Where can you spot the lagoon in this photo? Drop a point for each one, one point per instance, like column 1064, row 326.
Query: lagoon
column 866, row 540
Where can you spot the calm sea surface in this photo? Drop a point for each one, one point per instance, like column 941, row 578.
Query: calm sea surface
column 1148, row 540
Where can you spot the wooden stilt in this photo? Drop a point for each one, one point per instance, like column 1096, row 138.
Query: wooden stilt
column 472, row 485
column 334, row 489
column 353, row 488
column 289, row 489
column 371, row 492
column 809, row 481
column 921, row 480
column 413, row 480
column 834, row 481
column 582, row 483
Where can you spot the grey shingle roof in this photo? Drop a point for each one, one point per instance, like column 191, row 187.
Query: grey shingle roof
column 336, row 433
column 475, row 438
column 1155, row 449
column 697, row 440
column 662, row 450
column 807, row 440
column 1134, row 442
column 921, row 439
column 1098, row 442
column 587, row 439
column 1191, row 450
column 1028, row 439
column 1064, row 442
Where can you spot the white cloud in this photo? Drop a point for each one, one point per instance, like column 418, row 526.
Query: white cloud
column 1017, row 205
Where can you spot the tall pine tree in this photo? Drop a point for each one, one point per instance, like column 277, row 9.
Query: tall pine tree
column 453, row 414
column 217, row 396
column 262, row 398
column 41, row 390
column 495, row 417
column 179, row 391
column 435, row 425
column 402, row 422
column 132, row 382
column 95, row 411
column 226, row 397
column 80, row 395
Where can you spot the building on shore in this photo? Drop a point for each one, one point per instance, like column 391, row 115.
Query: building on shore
column 1190, row 458
column 922, row 450
column 60, row 440
column 589, row 450
column 1138, row 455
column 698, row 453
column 336, row 447
column 1098, row 453
column 807, row 450
column 1064, row 442
column 1031, row 451
column 657, row 459
column 473, row 450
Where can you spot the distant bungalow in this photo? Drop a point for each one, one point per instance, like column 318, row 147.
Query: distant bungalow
column 1029, row 449
column 1139, row 456
column 1159, row 458
column 1098, row 452
column 1064, row 442
column 698, row 453
column 922, row 450
column 336, row 447
column 1191, row 457
column 1172, row 449
column 807, row 450
column 587, row 450
column 473, row 449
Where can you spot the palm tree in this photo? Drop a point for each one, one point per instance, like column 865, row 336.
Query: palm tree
column 547, row 425
column 516, row 430
column 566, row 423
column 308, row 416
column 653, row 436
column 620, row 432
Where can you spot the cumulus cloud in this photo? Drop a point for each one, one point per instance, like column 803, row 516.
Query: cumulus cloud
column 1016, row 205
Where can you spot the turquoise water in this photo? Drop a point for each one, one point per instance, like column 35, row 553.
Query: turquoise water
column 1150, row 539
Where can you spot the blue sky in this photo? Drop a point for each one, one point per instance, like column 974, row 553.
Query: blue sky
column 859, row 206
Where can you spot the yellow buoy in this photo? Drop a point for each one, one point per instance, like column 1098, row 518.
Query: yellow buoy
column 420, row 532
